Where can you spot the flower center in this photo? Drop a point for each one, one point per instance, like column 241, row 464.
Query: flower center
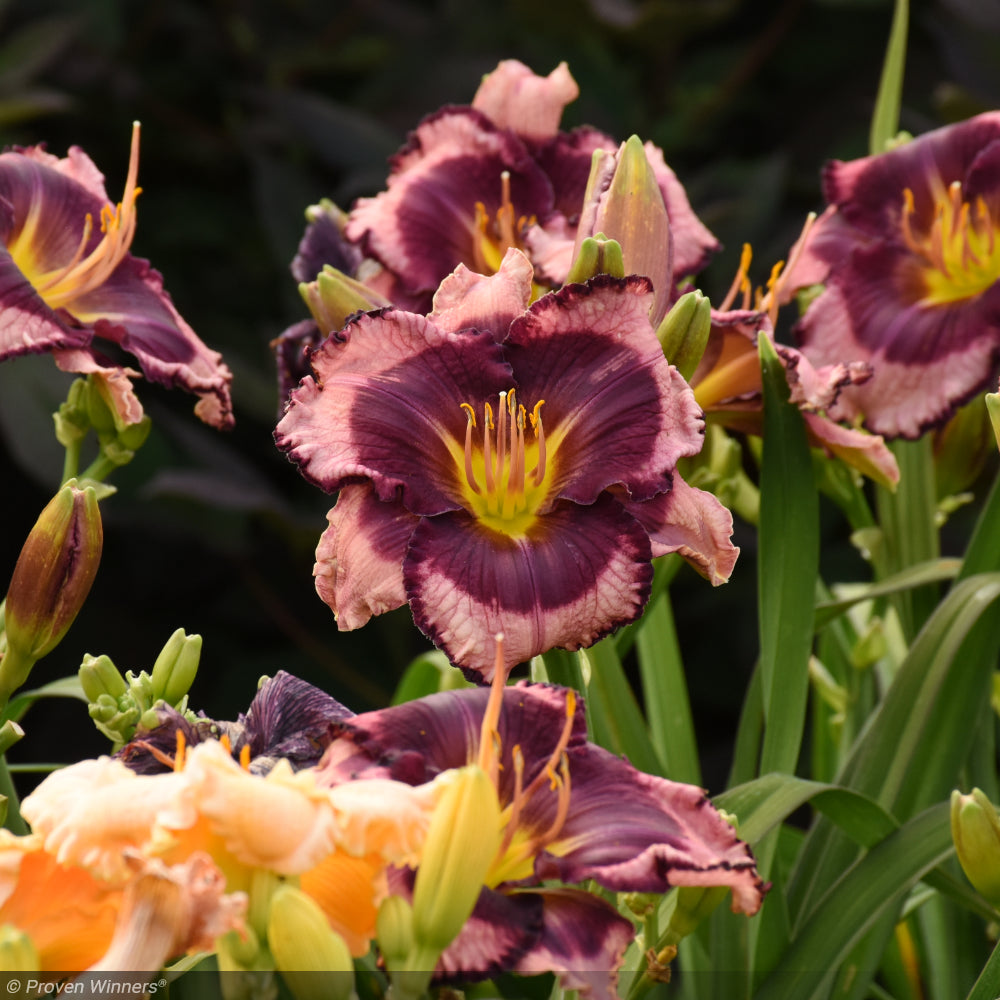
column 494, row 237
column 960, row 251
column 505, row 474
column 520, row 844
column 84, row 271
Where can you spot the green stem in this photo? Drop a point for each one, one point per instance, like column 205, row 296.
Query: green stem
column 71, row 463
column 99, row 469
column 13, row 822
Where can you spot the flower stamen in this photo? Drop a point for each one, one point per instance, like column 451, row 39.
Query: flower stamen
column 83, row 274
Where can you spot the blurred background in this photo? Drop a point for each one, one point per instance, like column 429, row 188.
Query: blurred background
column 254, row 109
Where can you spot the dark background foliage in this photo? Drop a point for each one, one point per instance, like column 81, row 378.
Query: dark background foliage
column 253, row 109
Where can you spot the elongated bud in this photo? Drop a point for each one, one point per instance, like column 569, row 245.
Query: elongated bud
column 975, row 828
column 462, row 841
column 100, row 677
column 597, row 255
column 333, row 296
column 312, row 958
column 993, row 408
column 17, row 951
column 624, row 201
column 394, row 931
column 684, row 332
column 51, row 580
column 72, row 419
column 176, row 666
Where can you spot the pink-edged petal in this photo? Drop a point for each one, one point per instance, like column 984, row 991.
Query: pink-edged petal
column 868, row 453
column 615, row 411
column 132, row 310
column 423, row 226
column 359, row 559
column 869, row 191
column 578, row 574
column 466, row 299
column 925, row 363
column 514, row 97
column 385, row 402
column 583, row 941
column 812, row 388
column 692, row 523
column 806, row 266
column 634, row 832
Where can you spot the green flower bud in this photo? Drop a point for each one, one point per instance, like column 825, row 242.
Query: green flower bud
column 51, row 580
column 175, row 668
column 694, row 904
column 993, row 408
column 597, row 255
column 99, row 676
column 462, row 841
column 394, row 931
column 975, row 829
column 311, row 956
column 72, row 419
column 17, row 951
column 684, row 332
column 333, row 296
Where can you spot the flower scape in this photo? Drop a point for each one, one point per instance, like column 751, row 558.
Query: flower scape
column 532, row 428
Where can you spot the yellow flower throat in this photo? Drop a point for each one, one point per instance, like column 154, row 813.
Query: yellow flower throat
column 505, row 474
column 960, row 250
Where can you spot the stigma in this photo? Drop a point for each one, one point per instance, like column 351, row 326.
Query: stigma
column 501, row 489
column 959, row 251
column 86, row 271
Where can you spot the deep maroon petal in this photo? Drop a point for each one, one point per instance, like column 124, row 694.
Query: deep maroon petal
column 291, row 352
column 359, row 560
column 385, row 404
column 579, row 573
column 615, row 411
column 132, row 310
column 423, row 226
column 583, row 941
column 869, row 191
column 633, row 832
column 324, row 243
column 417, row 740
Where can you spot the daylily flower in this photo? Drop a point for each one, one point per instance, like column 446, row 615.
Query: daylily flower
column 503, row 468
column 338, row 842
column 68, row 281
column 570, row 811
column 473, row 181
column 727, row 381
column 909, row 253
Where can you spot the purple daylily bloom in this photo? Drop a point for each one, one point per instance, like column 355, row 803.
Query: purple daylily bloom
column 503, row 468
column 909, row 253
column 68, row 281
column 473, row 181
column 288, row 719
column 572, row 811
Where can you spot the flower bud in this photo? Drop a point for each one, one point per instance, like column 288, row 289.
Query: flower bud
column 99, row 676
column 684, row 332
column 597, row 255
column 462, row 841
column 175, row 668
column 993, row 408
column 72, row 419
column 51, row 580
column 975, row 829
column 17, row 951
column 623, row 200
column 394, row 931
column 313, row 958
column 333, row 296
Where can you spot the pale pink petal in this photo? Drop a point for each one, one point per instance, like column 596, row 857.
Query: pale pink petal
column 868, row 453
column 359, row 560
column 513, row 97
